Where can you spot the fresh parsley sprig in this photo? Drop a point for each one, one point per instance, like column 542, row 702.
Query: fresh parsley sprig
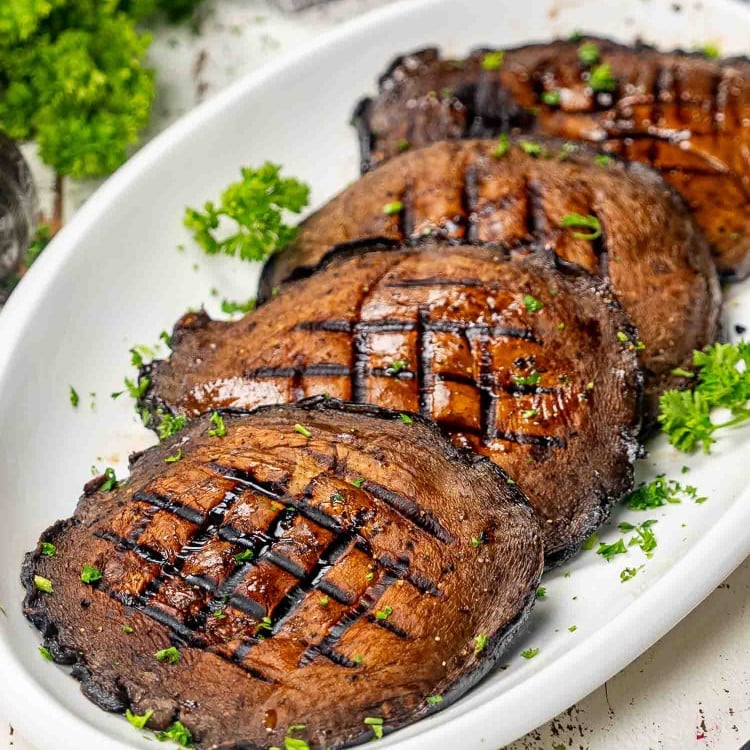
column 253, row 208
column 722, row 380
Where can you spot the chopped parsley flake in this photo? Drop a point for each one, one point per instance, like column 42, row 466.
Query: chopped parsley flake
column 178, row 733
column 551, row 98
column 171, row 655
column 295, row 743
column 477, row 541
column 502, row 147
column 541, row 592
column 337, row 498
column 529, row 653
column 434, row 700
column 170, row 424
column 722, row 381
column 44, row 651
column 603, row 160
column 659, row 492
column 244, row 556
column 229, row 307
column 394, row 207
column 601, row 79
column 110, row 480
column 74, row 397
column 358, row 482
column 644, row 537
column 532, row 378
column 591, row 541
column 324, row 601
column 493, row 60
column 530, row 413
column 127, row 629
column 175, row 457
column 402, row 145
column 90, row 574
column 627, row 573
column 480, row 643
column 572, row 628
column 711, row 51
column 264, row 624
column 532, row 304
column 396, row 366
column 532, row 149
column 302, row 430
column 49, row 549
column 138, row 721
column 376, row 724
column 608, row 551
column 135, row 389
column 406, row 419
column 140, row 353
column 254, row 206
column 219, row 429
column 43, row 584
column 588, row 53
column 622, row 337
column 384, row 614
column 579, row 220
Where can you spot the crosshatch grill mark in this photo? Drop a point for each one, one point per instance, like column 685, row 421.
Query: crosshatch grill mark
column 264, row 544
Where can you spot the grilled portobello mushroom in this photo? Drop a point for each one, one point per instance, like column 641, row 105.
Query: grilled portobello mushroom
column 534, row 367
column 271, row 583
column 685, row 115
column 649, row 249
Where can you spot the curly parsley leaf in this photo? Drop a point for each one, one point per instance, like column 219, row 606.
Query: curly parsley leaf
column 722, row 381
column 252, row 212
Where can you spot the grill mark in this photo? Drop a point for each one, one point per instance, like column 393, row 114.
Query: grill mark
column 410, row 510
column 486, row 384
column 338, row 659
column 717, row 103
column 142, row 551
column 359, row 371
column 405, row 218
column 677, row 88
column 520, row 438
column 661, row 87
column 363, row 607
column 172, row 506
column 382, row 372
column 400, row 570
column 335, row 326
column 469, row 198
column 390, row 627
column 425, row 379
column 536, row 218
column 434, row 281
column 178, row 627
column 320, row 369
column 258, row 675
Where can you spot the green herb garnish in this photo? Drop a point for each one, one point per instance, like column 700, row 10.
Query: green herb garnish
column 532, row 378
column 722, row 380
column 110, row 480
column 244, row 556
column 49, row 549
column 541, row 592
column 402, row 145
column 384, row 614
column 170, row 424
column 532, row 304
column 532, row 149
column 644, row 537
column 175, row 457
column 219, row 428
column 627, row 573
column 608, row 551
column 254, row 206
column 578, row 220
column 493, row 60
column 138, row 721
column 601, row 79
column 572, row 628
column 406, row 419
column 396, row 366
column 229, row 307
column 502, row 147
column 127, row 629
column 551, row 98
column 90, row 574
column 358, row 482
column 376, row 724
column 74, row 397
column 590, row 543
column 529, row 653
column 480, row 643
column 434, row 700
column 603, row 160
column 659, row 492
column 264, row 624
column 178, row 733
column 171, row 655
column 710, row 50
column 588, row 53
column 394, row 207
column 302, row 430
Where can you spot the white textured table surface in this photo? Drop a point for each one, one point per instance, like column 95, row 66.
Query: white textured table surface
column 692, row 689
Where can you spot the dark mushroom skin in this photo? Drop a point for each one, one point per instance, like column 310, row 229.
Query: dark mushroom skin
column 650, row 249
column 392, row 568
column 683, row 114
column 515, row 359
